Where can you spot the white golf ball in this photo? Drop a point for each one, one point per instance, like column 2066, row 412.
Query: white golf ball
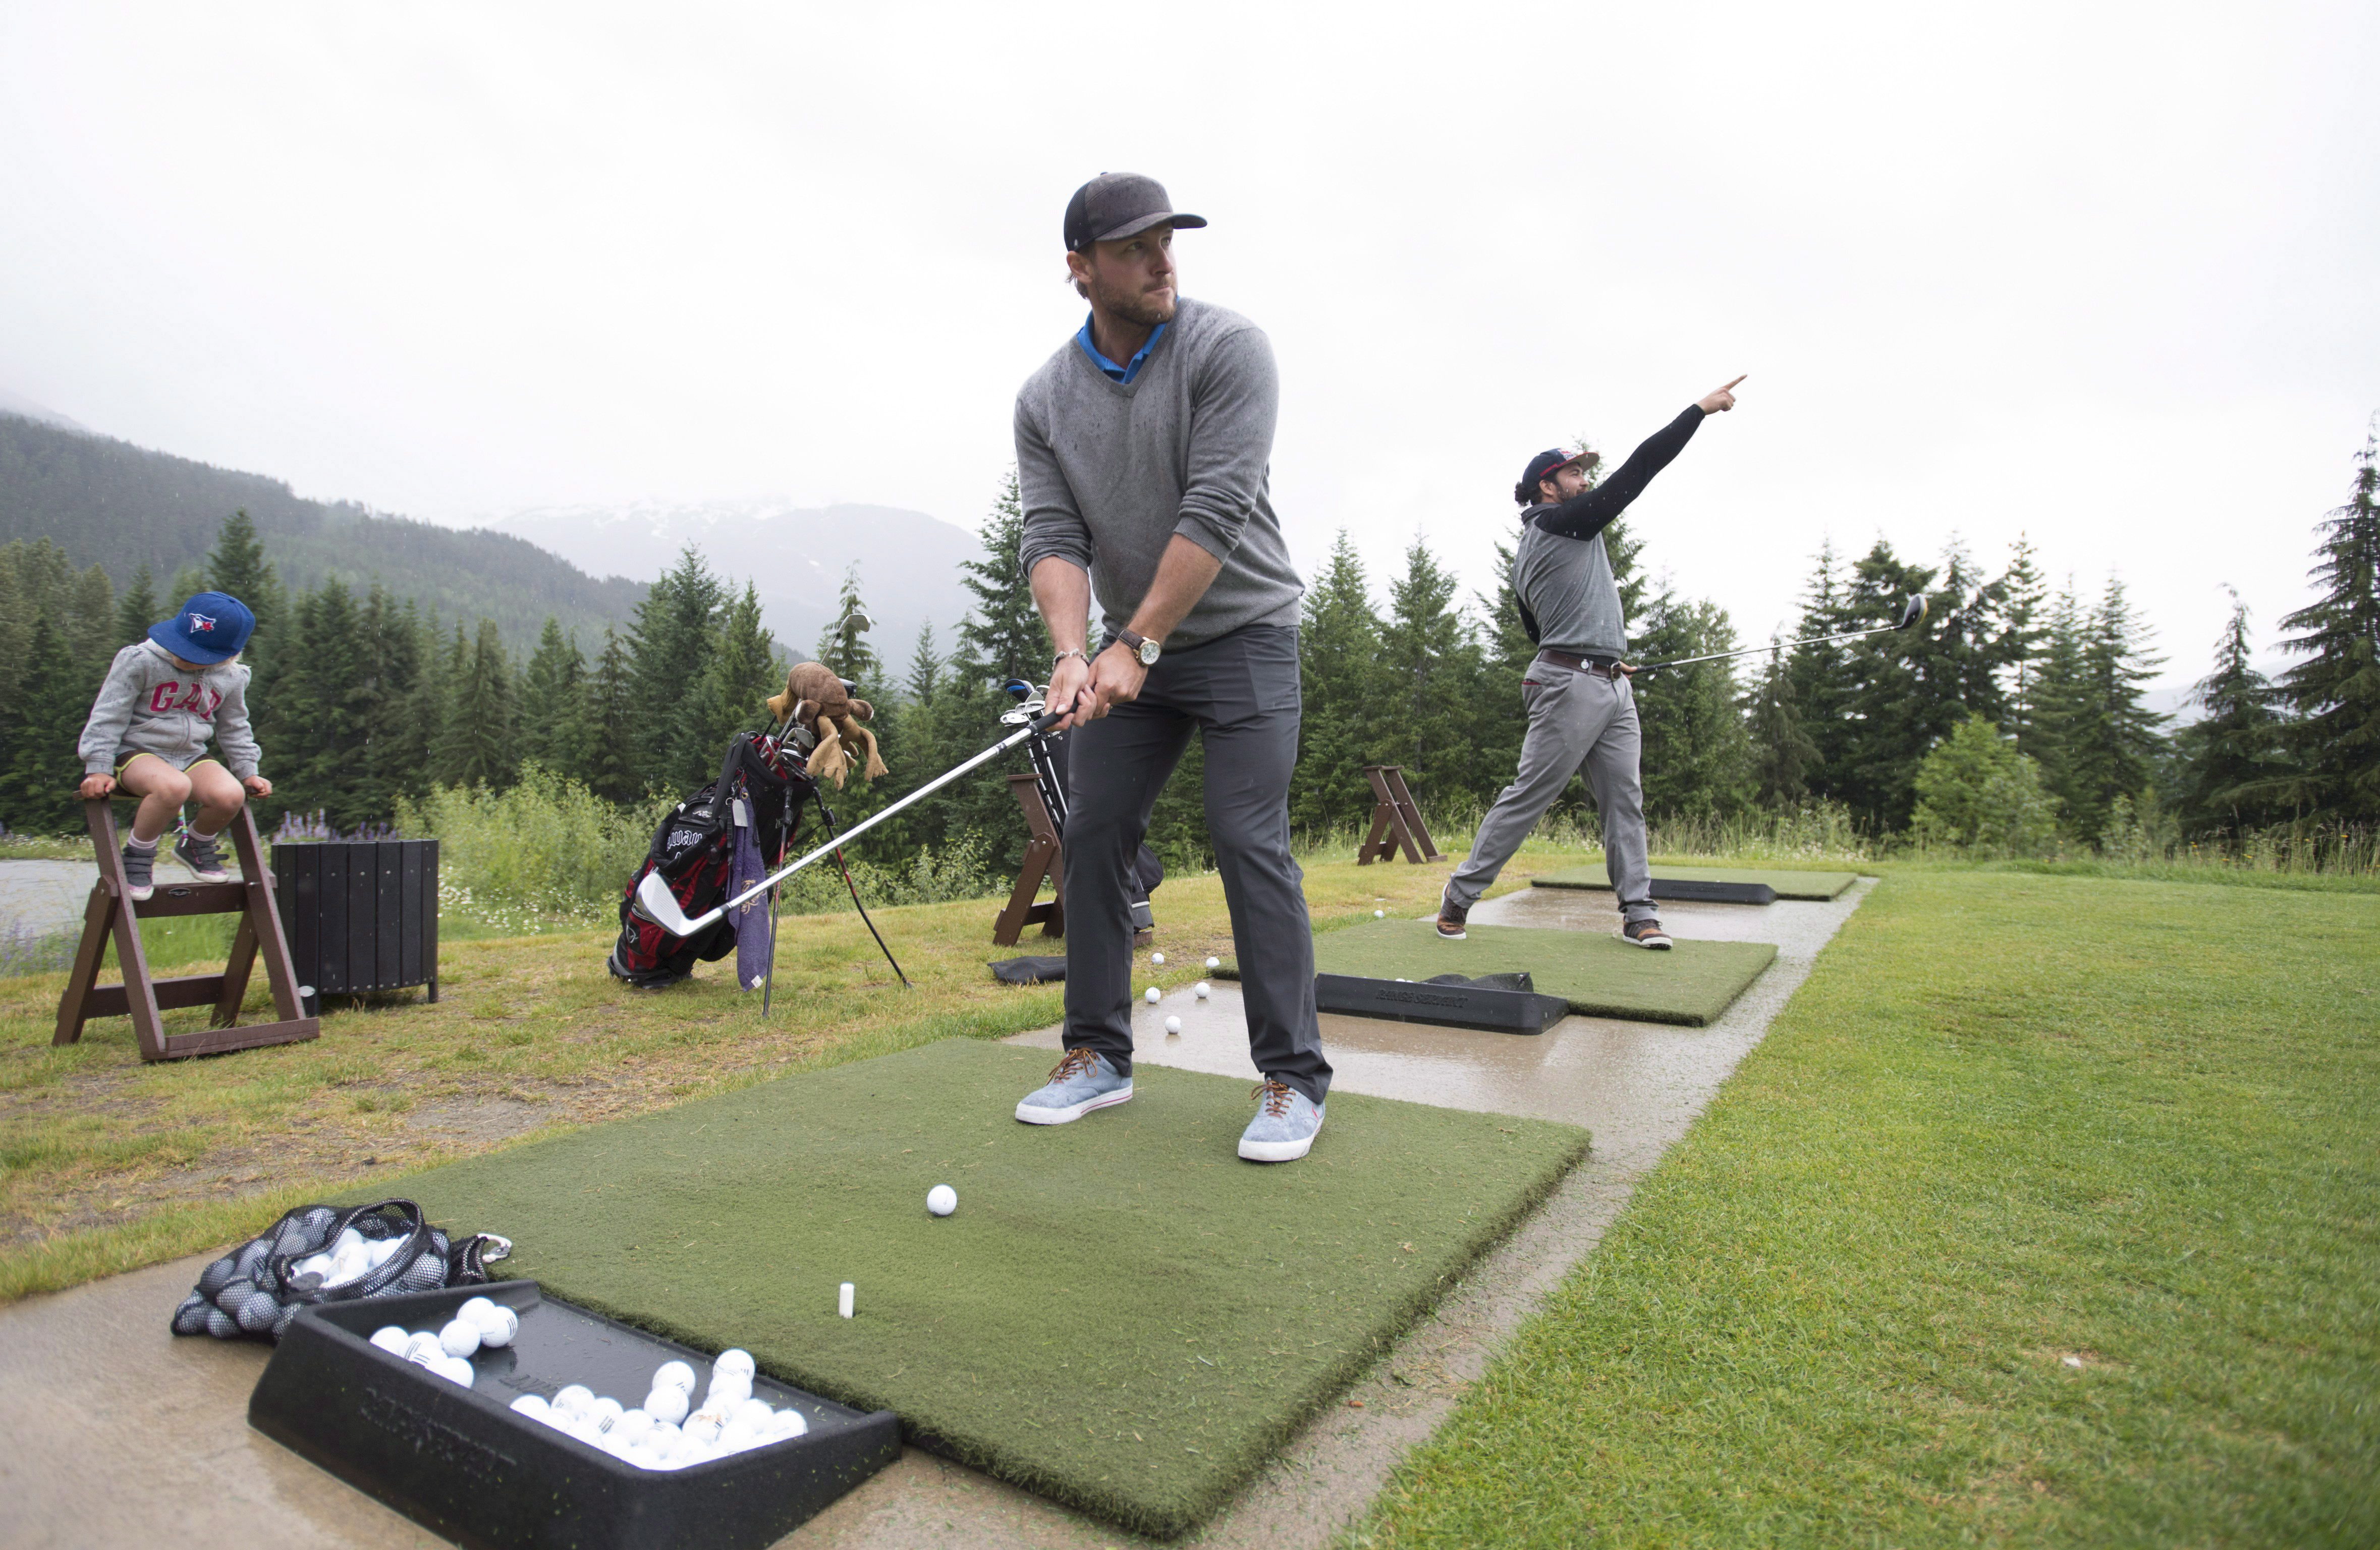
column 1203, row 991
column 703, row 1425
column 502, row 1325
column 1214, row 962
column 789, row 1423
column 455, row 1369
column 675, row 1374
column 420, row 1345
column 1158, row 959
column 632, row 1424
column 728, row 1390
column 1155, row 995
column 1173, row 1024
column 459, row 1338
column 475, row 1310
column 605, row 1412
column 737, row 1435
column 1379, row 915
column 753, row 1413
column 941, row 1200
column 532, row 1406
column 667, row 1402
column 390, row 1339
column 574, row 1398
column 733, row 1360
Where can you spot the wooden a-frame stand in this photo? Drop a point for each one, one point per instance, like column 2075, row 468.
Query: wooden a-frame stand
column 1396, row 821
column 111, row 911
column 1042, row 859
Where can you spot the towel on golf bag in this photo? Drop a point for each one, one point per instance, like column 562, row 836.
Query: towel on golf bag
column 694, row 849
column 254, row 1291
column 1030, row 970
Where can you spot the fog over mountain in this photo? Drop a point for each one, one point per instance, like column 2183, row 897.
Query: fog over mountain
column 795, row 556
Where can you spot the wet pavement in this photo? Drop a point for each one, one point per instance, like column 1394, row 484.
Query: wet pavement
column 40, row 897
column 122, row 1434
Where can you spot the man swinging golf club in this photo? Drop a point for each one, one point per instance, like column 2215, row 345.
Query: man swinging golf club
column 1582, row 709
column 1142, row 449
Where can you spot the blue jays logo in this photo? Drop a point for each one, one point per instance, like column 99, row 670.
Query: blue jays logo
column 201, row 625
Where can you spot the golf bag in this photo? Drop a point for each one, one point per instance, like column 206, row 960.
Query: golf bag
column 694, row 849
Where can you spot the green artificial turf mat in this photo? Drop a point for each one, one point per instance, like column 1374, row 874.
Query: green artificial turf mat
column 1599, row 975
column 1817, row 885
column 1122, row 1315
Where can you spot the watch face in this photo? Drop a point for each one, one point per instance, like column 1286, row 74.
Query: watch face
column 1148, row 650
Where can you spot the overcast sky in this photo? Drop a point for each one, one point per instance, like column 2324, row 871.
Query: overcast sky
column 2107, row 275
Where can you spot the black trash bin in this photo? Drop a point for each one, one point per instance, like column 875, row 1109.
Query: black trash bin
column 360, row 914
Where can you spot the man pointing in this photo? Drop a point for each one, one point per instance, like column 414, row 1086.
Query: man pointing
column 1143, row 449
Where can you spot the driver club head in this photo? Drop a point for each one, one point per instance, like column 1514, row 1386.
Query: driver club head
column 1914, row 611
column 657, row 904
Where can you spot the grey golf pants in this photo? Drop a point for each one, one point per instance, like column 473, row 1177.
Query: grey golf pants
column 1240, row 693
column 1579, row 723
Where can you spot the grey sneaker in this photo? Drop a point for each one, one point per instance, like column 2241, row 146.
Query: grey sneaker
column 140, row 871
column 1285, row 1124
column 198, row 852
column 1082, row 1082
column 1645, row 933
column 1451, row 918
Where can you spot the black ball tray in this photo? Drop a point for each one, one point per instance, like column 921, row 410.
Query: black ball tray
column 1501, row 1003
column 462, row 1464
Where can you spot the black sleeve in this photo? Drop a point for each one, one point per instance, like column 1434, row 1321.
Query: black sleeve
column 1586, row 514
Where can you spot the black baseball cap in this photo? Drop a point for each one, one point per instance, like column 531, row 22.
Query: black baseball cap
column 1543, row 464
column 1115, row 205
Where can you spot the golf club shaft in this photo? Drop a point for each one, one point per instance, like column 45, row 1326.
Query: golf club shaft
column 1042, row 724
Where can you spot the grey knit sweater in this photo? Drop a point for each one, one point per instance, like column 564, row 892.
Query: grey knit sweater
column 1109, row 473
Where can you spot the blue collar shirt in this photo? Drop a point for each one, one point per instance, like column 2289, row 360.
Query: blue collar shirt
column 1126, row 372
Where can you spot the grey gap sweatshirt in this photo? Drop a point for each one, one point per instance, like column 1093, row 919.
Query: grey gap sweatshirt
column 1109, row 473
column 1560, row 572
column 151, row 703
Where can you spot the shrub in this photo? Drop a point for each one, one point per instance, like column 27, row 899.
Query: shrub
column 1976, row 793
column 544, row 849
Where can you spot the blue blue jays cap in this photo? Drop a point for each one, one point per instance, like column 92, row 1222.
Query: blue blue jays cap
column 210, row 628
column 1543, row 466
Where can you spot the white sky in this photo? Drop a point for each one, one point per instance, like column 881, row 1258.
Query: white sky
column 2110, row 275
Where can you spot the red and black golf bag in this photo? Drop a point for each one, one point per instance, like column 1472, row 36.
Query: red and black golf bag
column 694, row 850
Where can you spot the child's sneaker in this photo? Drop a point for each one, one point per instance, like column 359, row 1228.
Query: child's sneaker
column 198, row 852
column 140, row 872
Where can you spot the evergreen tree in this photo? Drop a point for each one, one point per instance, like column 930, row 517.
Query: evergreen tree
column 39, row 729
column 1902, row 698
column 845, row 646
column 669, row 652
column 137, row 609
column 316, row 728
column 924, row 667
column 1338, row 640
column 611, row 762
column 1820, row 674
column 2233, row 760
column 1427, row 680
column 2336, row 691
column 397, row 644
column 1783, row 758
column 2024, row 597
column 552, row 712
column 236, row 564
column 476, row 746
column 2111, row 739
column 1698, row 758
column 1499, row 721
column 1001, row 637
column 742, row 675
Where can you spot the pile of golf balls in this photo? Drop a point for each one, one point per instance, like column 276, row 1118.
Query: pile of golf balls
column 349, row 1256
column 661, row 1433
column 447, row 1351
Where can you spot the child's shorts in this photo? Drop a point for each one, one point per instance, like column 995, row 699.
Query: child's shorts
column 124, row 759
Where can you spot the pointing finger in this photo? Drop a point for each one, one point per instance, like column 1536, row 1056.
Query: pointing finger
column 1730, row 387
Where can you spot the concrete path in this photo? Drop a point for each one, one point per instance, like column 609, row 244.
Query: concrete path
column 121, row 1434
column 37, row 897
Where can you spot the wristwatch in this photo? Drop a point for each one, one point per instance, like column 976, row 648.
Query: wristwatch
column 1140, row 645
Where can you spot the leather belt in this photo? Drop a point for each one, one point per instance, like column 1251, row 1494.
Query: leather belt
column 1602, row 667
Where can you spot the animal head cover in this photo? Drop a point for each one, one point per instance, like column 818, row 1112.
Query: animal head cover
column 817, row 699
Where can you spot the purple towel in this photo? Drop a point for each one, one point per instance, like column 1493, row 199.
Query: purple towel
column 751, row 917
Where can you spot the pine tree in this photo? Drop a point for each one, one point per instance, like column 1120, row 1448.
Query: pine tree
column 612, row 764
column 1339, row 642
column 669, row 651
column 845, row 646
column 137, row 609
column 2024, row 596
column 2336, row 691
column 1698, row 758
column 316, row 728
column 1905, row 694
column 924, row 667
column 39, row 729
column 742, row 675
column 552, row 712
column 2117, row 745
column 1820, row 673
column 476, row 746
column 1002, row 636
column 1783, row 758
column 1427, row 682
column 236, row 564
column 2233, row 760
column 397, row 646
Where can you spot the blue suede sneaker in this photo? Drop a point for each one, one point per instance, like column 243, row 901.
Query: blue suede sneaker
column 1084, row 1081
column 1285, row 1124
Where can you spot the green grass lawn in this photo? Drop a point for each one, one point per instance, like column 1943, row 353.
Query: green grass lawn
column 2048, row 1213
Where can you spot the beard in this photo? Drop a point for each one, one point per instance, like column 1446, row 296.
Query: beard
column 1135, row 305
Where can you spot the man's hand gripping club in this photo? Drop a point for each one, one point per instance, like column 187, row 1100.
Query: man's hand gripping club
column 1085, row 688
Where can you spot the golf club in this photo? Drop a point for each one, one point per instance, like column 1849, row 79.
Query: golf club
column 1914, row 610
column 656, row 904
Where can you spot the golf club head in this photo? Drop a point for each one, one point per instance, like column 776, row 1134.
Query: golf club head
column 657, row 904
column 1912, row 613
